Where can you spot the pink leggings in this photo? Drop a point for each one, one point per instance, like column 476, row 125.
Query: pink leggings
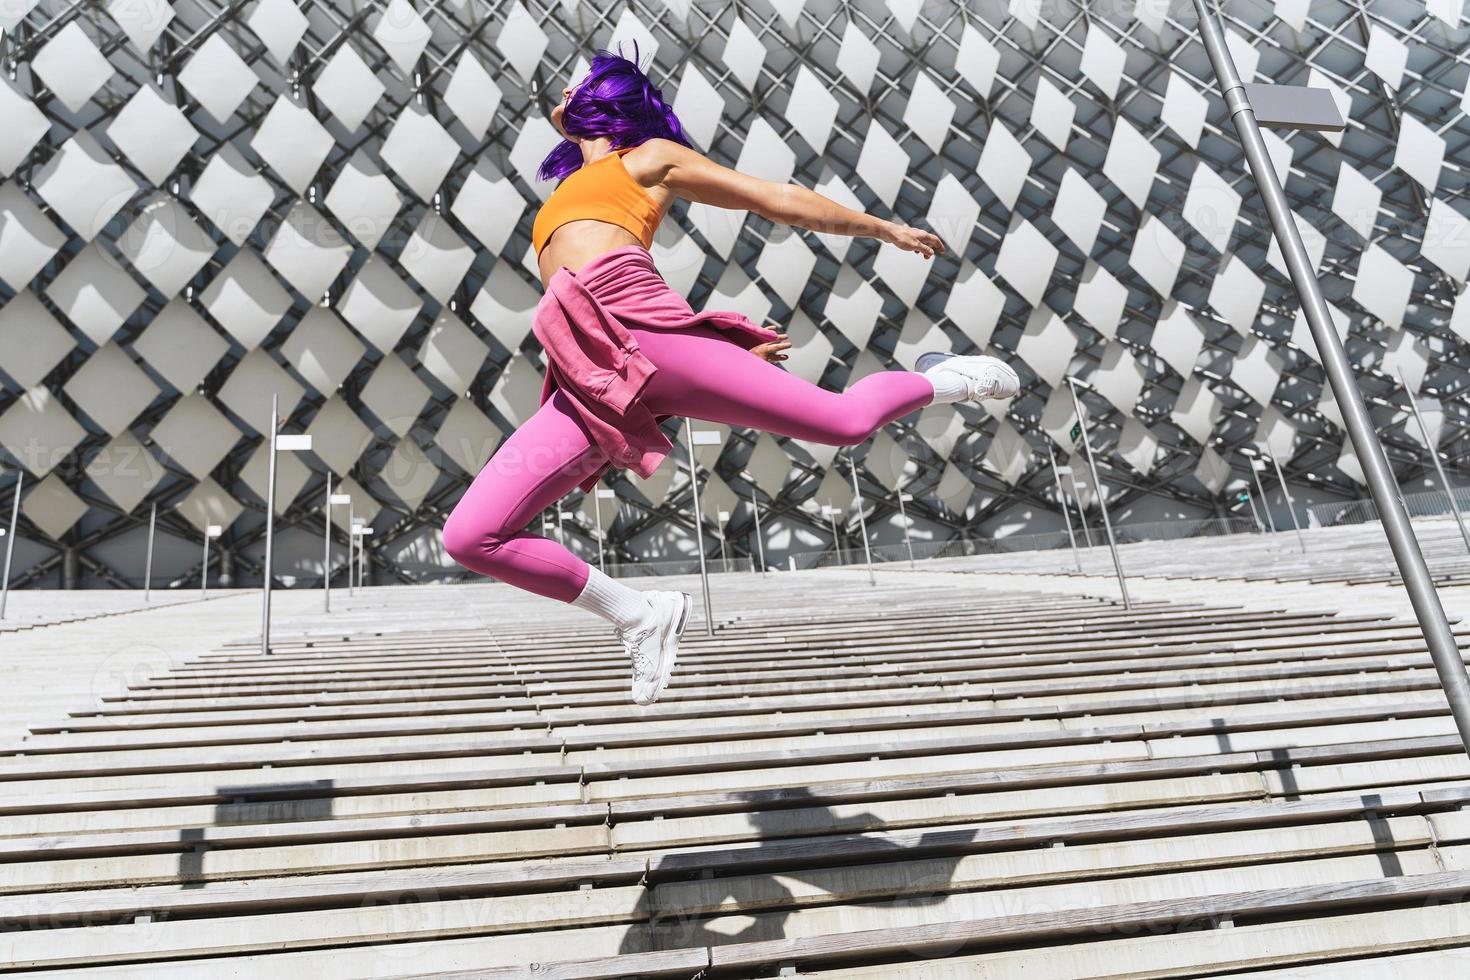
column 701, row 374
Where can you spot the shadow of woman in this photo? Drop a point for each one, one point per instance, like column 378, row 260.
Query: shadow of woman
column 801, row 857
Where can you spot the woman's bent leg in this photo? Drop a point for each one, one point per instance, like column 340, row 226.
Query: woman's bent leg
column 537, row 465
column 541, row 462
column 703, row 375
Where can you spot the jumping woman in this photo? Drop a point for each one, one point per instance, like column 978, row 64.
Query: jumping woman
column 625, row 352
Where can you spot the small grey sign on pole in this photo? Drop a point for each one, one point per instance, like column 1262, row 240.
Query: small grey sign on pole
column 1295, row 107
column 1379, row 476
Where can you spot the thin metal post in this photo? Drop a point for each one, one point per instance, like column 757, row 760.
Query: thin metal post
column 760, row 544
column 351, row 587
column 561, row 532
column 148, row 560
column 1251, row 499
column 862, row 521
column 1097, row 486
column 327, row 547
column 1290, row 503
column 1066, row 514
column 270, row 522
column 1077, row 499
column 10, row 541
column 1379, row 476
column 836, row 543
column 904, row 517
column 1265, row 504
column 204, row 568
column 724, row 558
column 597, row 510
column 1444, row 481
column 709, row 615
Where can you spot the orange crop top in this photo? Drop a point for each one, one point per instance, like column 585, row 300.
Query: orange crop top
column 605, row 191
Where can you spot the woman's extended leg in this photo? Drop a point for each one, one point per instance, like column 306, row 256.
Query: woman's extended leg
column 703, row 375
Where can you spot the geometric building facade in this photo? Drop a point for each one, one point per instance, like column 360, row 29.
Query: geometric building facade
column 204, row 205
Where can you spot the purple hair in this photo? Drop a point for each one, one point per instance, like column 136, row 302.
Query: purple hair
column 616, row 99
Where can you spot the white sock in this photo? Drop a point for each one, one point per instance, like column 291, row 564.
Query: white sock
column 949, row 385
column 625, row 608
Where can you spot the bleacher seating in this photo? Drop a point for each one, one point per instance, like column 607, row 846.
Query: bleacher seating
column 897, row 781
column 1350, row 555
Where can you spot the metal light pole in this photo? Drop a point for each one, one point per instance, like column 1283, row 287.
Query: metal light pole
column 1062, row 502
column 1290, row 503
column 1255, row 514
column 601, row 494
column 327, row 548
column 278, row 444
column 148, row 560
column 337, row 500
column 904, row 517
column 709, row 615
column 1102, row 503
column 351, row 543
column 211, row 531
column 10, row 541
column 270, row 514
column 354, row 564
column 1379, row 476
column 362, row 531
column 760, row 545
column 724, row 516
column 1429, row 444
column 597, row 514
column 1077, row 499
column 862, row 521
column 1256, row 466
column 831, row 513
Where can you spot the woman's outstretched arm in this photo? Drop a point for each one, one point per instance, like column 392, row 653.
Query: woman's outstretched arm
column 691, row 175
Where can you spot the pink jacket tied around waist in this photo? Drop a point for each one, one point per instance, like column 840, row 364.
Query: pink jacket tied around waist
column 583, row 322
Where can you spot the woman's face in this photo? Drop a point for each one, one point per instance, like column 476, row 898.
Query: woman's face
column 559, row 110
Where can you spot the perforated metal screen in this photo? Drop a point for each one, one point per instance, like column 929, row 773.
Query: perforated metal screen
column 204, row 204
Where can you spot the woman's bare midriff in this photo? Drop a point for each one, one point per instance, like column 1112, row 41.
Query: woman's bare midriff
column 576, row 243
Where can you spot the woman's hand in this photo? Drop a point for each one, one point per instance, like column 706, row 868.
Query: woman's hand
column 926, row 243
column 772, row 351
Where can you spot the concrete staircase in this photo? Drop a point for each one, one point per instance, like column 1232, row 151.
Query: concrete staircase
column 927, row 778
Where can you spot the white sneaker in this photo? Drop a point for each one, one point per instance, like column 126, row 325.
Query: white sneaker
column 985, row 376
column 653, row 646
